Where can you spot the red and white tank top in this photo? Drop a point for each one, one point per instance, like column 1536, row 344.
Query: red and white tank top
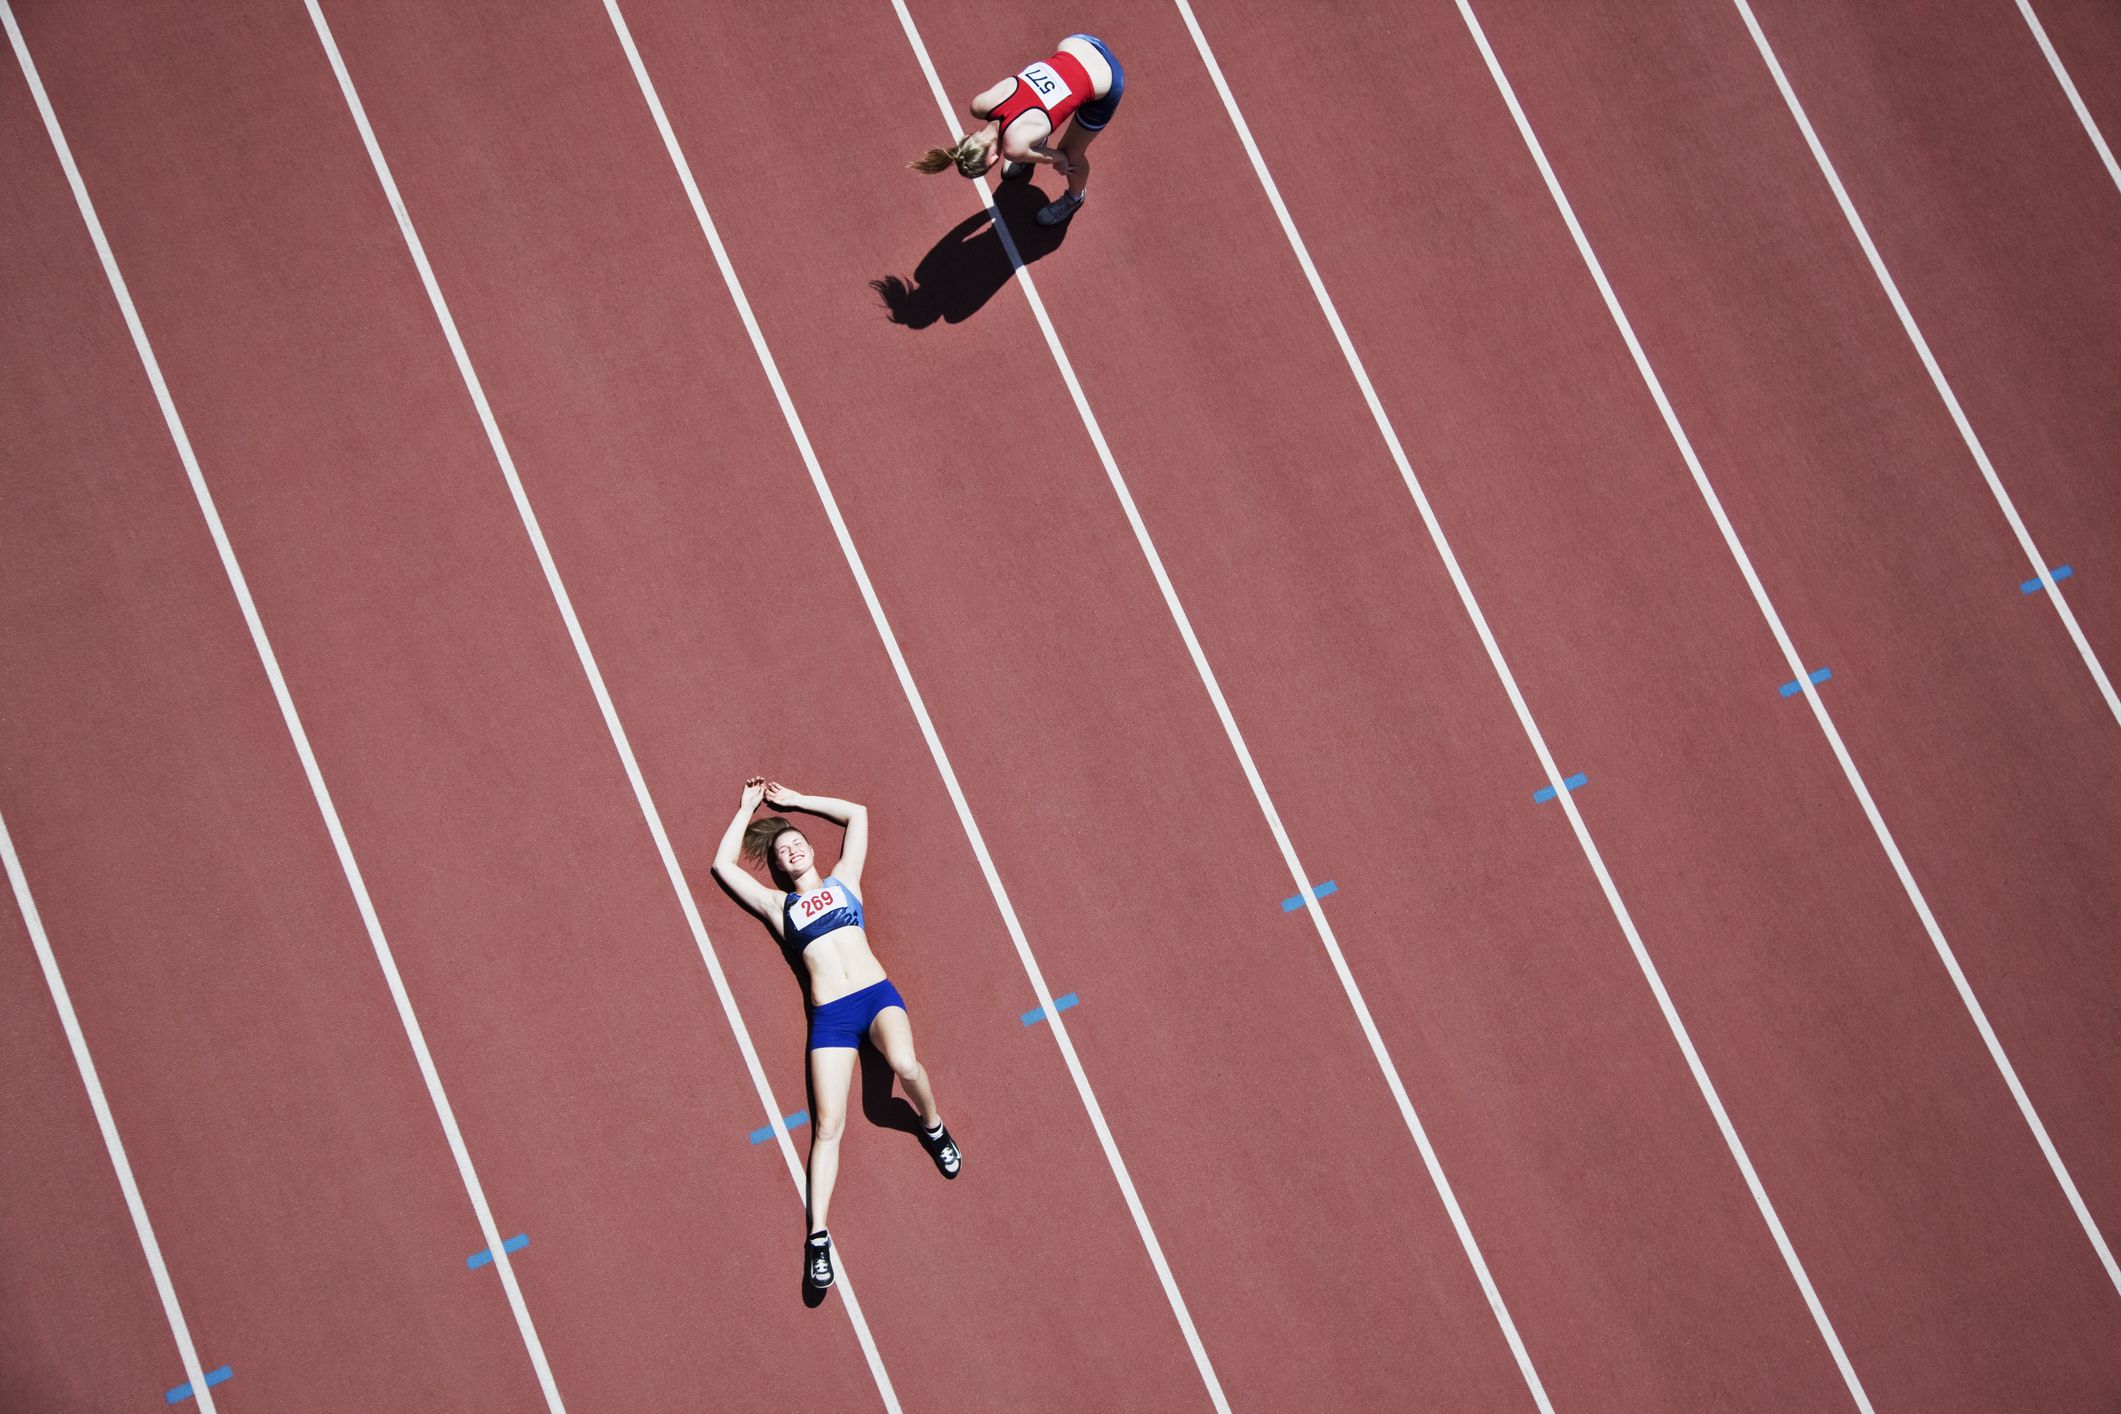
column 1059, row 84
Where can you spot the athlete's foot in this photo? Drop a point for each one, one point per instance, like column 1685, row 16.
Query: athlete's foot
column 1060, row 208
column 943, row 1149
column 817, row 1260
column 1015, row 171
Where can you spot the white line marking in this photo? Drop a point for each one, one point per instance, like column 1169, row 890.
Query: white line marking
column 1361, row 1008
column 1782, row 638
column 271, row 663
column 90, row 1081
column 1929, row 361
column 2084, row 114
column 595, row 676
column 920, row 711
column 1811, row 693
column 1567, row 799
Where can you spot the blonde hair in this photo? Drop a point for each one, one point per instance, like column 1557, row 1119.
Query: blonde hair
column 969, row 156
column 759, row 838
column 760, row 834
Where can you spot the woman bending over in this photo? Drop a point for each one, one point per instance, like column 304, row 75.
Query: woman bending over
column 1081, row 80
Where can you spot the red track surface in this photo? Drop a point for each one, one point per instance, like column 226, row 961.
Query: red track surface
column 312, row 1220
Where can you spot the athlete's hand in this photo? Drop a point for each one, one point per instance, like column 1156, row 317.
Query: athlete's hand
column 782, row 797
column 754, row 791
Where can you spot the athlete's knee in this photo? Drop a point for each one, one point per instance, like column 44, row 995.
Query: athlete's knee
column 905, row 1066
column 829, row 1127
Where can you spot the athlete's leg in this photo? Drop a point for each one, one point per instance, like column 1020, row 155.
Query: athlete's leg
column 892, row 1034
column 1076, row 143
column 831, row 1073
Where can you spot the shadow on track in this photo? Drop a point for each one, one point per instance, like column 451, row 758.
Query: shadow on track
column 964, row 269
column 880, row 1105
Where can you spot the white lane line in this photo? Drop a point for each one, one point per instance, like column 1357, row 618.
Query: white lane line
column 295, row 730
column 1936, row 372
column 912, row 692
column 2084, row 114
column 1243, row 752
column 1789, row 651
column 1826, row 724
column 595, row 676
column 1567, row 799
column 90, row 1081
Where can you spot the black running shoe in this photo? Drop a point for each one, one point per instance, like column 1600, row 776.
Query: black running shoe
column 1015, row 171
column 1054, row 212
column 943, row 1149
column 817, row 1260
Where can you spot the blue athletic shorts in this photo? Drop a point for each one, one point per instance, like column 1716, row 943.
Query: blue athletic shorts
column 845, row 1022
column 1098, row 112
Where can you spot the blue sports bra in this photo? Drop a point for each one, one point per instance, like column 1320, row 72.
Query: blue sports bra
column 808, row 917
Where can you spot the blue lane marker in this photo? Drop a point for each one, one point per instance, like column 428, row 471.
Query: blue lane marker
column 2059, row 573
column 1546, row 793
column 1290, row 905
column 514, row 1244
column 794, row 1121
column 184, row 1391
column 1038, row 1013
column 1817, row 675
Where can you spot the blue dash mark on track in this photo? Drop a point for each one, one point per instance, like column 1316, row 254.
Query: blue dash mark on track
column 1291, row 904
column 184, row 1391
column 2058, row 573
column 1817, row 675
column 514, row 1244
column 794, row 1121
column 1546, row 793
column 1038, row 1013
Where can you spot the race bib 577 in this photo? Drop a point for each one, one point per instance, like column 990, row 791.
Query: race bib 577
column 1050, row 87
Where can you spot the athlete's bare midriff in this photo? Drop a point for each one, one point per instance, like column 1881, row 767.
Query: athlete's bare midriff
column 840, row 964
column 1093, row 64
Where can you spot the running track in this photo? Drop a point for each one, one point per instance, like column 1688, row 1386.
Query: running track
column 1695, row 1113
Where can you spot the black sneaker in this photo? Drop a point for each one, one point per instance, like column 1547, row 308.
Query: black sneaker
column 1060, row 208
column 943, row 1149
column 1015, row 171
column 817, row 1260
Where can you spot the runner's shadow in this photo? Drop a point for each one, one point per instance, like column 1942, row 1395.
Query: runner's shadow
column 964, row 269
column 880, row 1106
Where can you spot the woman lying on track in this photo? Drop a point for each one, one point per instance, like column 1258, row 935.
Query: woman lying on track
column 820, row 919
column 1082, row 80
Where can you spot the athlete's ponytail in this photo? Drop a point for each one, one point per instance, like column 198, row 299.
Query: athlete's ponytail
column 969, row 156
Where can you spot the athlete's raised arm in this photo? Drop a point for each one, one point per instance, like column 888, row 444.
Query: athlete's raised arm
column 854, row 849
column 733, row 875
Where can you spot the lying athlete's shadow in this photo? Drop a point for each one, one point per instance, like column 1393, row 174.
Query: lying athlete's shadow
column 882, row 1106
column 964, row 269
